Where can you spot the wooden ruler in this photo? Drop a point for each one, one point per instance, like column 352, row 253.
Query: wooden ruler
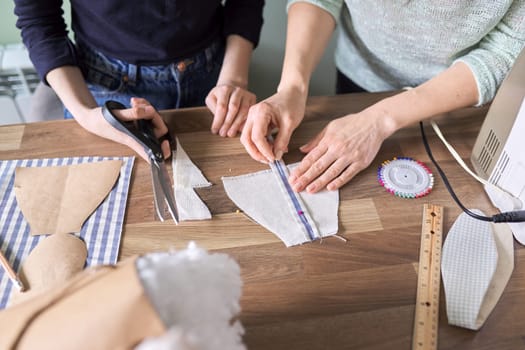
column 426, row 319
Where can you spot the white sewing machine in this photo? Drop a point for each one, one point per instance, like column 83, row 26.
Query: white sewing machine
column 499, row 152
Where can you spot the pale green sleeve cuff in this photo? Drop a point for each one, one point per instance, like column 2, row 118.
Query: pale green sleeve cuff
column 333, row 7
column 493, row 58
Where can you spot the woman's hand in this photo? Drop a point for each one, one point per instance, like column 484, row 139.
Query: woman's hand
column 283, row 111
column 68, row 83
column 94, row 122
column 229, row 104
column 142, row 109
column 343, row 148
column 230, row 100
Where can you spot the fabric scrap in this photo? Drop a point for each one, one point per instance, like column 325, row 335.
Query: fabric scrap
column 186, row 177
column 261, row 197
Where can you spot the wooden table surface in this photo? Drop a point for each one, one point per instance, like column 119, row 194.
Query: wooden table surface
column 329, row 295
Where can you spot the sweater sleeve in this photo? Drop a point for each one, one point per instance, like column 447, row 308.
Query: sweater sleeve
column 493, row 57
column 44, row 34
column 244, row 18
column 333, row 7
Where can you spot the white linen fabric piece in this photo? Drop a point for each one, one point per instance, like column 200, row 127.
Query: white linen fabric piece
column 186, row 177
column 261, row 196
column 477, row 262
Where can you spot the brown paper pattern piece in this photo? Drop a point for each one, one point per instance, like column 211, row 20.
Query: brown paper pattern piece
column 59, row 199
column 52, row 262
column 99, row 308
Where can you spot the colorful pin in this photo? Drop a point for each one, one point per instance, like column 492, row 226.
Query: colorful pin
column 405, row 177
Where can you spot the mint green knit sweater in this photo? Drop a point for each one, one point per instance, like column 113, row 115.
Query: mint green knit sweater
column 390, row 44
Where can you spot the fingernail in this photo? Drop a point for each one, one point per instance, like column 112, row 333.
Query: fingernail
column 278, row 155
column 214, row 131
column 263, row 161
column 292, row 179
column 310, row 188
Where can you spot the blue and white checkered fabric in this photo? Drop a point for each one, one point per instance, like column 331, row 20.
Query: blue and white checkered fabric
column 101, row 232
column 468, row 263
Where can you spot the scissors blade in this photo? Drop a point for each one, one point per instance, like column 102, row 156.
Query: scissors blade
column 163, row 192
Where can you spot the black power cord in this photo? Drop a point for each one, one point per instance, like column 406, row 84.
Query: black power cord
column 510, row 216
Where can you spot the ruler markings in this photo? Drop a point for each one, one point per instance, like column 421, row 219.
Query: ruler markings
column 426, row 318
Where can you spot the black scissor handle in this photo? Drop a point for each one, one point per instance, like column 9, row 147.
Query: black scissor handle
column 141, row 130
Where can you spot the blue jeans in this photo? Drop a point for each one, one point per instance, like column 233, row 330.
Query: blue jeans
column 184, row 83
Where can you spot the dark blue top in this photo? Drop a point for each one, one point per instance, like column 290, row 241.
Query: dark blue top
column 138, row 32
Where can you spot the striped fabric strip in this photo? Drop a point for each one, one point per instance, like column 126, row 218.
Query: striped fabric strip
column 101, row 232
column 299, row 211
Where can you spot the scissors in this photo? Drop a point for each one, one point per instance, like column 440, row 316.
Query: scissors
column 142, row 131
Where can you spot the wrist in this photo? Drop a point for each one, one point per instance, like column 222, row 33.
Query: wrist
column 236, row 62
column 294, row 77
column 403, row 109
column 81, row 111
column 235, row 80
column 295, row 86
column 386, row 115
